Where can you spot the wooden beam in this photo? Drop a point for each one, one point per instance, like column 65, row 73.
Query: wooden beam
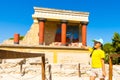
column 79, row 72
column 5, row 54
column 43, row 68
column 110, row 68
column 115, row 55
column 111, row 65
column 50, row 72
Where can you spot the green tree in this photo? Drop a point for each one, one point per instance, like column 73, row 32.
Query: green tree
column 113, row 48
column 116, row 42
column 21, row 38
column 116, row 45
column 109, row 49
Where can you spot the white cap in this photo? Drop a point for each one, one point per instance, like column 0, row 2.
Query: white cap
column 98, row 40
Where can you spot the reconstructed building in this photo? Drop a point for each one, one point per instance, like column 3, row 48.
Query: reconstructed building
column 56, row 33
column 51, row 25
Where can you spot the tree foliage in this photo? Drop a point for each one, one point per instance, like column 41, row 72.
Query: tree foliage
column 116, row 42
column 109, row 49
column 113, row 48
column 21, row 38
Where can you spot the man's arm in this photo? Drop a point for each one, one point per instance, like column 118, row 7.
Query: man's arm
column 85, row 47
column 103, row 67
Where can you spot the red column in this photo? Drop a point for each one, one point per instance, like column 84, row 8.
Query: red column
column 16, row 38
column 63, row 32
column 41, row 31
column 84, row 33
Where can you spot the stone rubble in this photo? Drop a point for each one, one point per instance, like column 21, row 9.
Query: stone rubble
column 11, row 71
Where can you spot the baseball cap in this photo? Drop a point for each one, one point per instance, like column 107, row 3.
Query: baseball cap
column 98, row 40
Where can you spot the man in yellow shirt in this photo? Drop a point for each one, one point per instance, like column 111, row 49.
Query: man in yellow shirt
column 97, row 60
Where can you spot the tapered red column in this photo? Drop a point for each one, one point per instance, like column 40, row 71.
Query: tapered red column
column 41, row 31
column 84, row 33
column 63, row 32
column 16, row 38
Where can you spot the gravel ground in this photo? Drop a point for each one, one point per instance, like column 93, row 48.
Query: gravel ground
column 64, row 72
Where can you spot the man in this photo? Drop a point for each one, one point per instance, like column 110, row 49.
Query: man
column 97, row 60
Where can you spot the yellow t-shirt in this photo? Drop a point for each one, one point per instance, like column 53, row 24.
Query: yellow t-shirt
column 96, row 58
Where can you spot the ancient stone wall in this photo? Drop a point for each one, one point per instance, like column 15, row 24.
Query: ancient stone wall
column 55, row 55
column 32, row 38
column 50, row 32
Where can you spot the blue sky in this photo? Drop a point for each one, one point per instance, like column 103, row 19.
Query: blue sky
column 104, row 19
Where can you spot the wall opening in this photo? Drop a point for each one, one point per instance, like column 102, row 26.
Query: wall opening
column 72, row 34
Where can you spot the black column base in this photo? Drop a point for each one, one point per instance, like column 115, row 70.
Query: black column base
column 40, row 43
column 63, row 44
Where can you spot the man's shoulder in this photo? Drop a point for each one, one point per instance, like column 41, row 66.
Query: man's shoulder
column 101, row 51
